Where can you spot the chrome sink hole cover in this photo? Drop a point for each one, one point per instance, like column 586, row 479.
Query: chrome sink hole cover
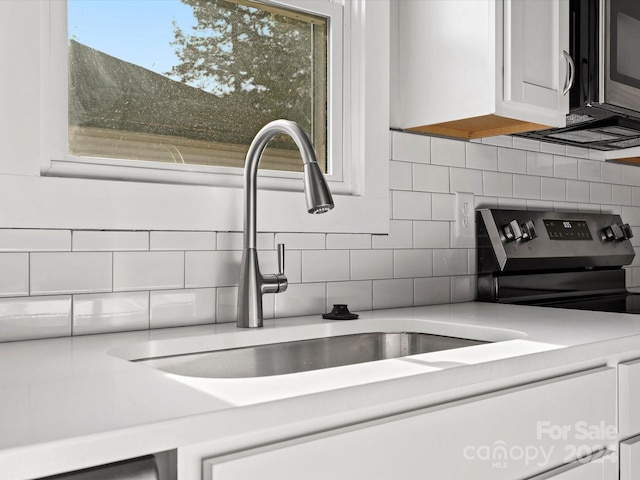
column 304, row 355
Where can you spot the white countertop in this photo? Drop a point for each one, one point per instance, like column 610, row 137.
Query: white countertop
column 77, row 402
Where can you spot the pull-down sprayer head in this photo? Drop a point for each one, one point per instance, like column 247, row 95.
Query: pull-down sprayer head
column 316, row 191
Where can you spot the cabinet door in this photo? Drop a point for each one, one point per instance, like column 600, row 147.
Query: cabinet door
column 512, row 433
column 629, row 384
column 535, row 69
column 630, row 459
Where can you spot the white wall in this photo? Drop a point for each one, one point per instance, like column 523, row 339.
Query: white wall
column 59, row 282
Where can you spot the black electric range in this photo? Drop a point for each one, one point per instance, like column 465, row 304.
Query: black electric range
column 555, row 259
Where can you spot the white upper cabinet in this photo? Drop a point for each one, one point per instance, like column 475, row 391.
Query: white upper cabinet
column 477, row 68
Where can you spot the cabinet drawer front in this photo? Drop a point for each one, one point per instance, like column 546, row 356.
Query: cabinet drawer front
column 629, row 384
column 601, row 466
column 630, row 459
column 512, row 433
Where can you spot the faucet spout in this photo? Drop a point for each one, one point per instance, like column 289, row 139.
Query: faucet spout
column 253, row 284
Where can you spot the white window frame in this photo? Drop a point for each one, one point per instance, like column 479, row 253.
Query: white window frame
column 63, row 164
column 53, row 191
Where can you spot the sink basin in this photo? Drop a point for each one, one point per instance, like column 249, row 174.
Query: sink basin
column 303, row 355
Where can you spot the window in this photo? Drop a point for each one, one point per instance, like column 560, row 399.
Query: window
column 50, row 189
column 186, row 112
column 192, row 81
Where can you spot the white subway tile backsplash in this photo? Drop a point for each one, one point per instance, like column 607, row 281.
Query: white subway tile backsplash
column 540, row 205
column 512, row 161
column 600, row 193
column 430, row 234
column 431, row 291
column 443, row 206
column 110, row 312
column 235, row 241
column 577, row 152
column 565, row 206
column 392, row 293
column 400, row 175
column 411, row 205
column 227, row 305
column 450, row 261
column 526, row 186
column 410, row 147
column 148, row 270
column 94, row 241
column 73, row 272
column 577, row 191
column 371, row 264
column 498, row 184
column 611, row 172
column 14, row 274
column 430, row 178
column 587, row 207
column 481, row 156
column 553, row 148
column 325, row 265
column 486, row 202
column 463, row 288
column 447, row 152
column 526, row 144
column 472, row 264
column 35, row 317
column 553, row 189
column 183, row 241
column 412, row 263
column 468, row 181
column 589, row 170
column 174, row 308
column 301, row 299
column 565, row 167
column 31, row 240
column 212, row 269
column 358, row 295
column 596, row 155
column 302, row 241
column 630, row 175
column 499, row 141
column 540, row 164
column 512, row 203
column 346, row 241
column 400, row 236
column 193, row 276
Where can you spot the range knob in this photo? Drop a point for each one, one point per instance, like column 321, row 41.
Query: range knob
column 615, row 232
column 512, row 231
column 528, row 230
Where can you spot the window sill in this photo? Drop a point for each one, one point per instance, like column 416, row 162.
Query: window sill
column 73, row 203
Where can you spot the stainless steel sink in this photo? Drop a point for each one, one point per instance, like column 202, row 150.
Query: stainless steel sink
column 303, row 355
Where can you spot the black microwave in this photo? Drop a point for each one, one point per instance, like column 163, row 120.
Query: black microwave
column 604, row 99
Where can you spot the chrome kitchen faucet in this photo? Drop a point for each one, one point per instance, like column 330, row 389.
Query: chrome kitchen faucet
column 254, row 284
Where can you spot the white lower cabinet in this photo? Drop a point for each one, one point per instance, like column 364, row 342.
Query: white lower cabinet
column 629, row 384
column 629, row 418
column 630, row 459
column 518, row 432
column 600, row 466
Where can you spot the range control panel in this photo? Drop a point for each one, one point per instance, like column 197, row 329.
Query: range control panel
column 535, row 240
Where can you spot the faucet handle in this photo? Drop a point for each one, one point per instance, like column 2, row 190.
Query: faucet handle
column 281, row 259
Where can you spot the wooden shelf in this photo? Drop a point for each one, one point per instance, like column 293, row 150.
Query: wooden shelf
column 479, row 127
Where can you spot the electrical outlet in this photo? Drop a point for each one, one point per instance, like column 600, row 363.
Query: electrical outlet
column 465, row 228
